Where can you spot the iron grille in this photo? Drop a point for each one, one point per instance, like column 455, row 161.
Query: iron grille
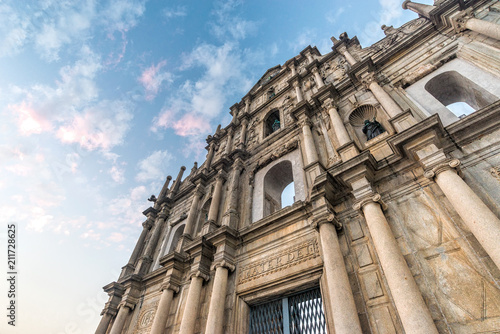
column 306, row 313
column 298, row 314
column 267, row 318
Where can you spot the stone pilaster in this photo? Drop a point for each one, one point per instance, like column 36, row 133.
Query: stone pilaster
column 243, row 136
column 193, row 210
column 147, row 259
column 229, row 143
column 309, row 146
column 210, row 156
column 317, row 77
column 127, row 304
column 298, row 91
column 347, row 55
column 231, row 216
column 213, row 213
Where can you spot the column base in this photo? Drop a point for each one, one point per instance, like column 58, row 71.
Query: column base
column 403, row 120
column 348, row 151
column 208, row 227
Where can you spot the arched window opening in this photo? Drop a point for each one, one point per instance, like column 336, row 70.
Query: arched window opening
column 461, row 109
column 273, row 123
column 451, row 87
column 288, row 195
column 175, row 239
column 275, row 182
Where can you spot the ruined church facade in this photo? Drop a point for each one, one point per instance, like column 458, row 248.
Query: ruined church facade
column 394, row 224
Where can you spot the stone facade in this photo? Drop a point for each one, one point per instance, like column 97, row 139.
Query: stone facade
column 400, row 232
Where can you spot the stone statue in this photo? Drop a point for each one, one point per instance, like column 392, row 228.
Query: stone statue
column 276, row 125
column 372, row 129
column 152, row 198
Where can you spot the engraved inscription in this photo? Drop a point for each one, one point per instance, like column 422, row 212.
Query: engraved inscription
column 285, row 259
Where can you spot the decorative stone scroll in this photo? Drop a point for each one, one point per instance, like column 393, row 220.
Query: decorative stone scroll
column 283, row 260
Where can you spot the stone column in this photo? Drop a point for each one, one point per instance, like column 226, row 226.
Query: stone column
column 292, row 68
column 177, row 182
column 123, row 313
column 213, row 212
column 482, row 222
column 193, row 211
column 247, row 105
column 164, row 190
column 215, row 319
column 309, row 57
column 243, row 136
column 337, row 123
column 161, row 315
column 210, row 156
column 150, row 247
column 229, row 143
column 418, row 8
column 410, row 304
column 485, row 28
column 347, row 55
column 345, row 314
column 317, row 77
column 231, row 215
column 192, row 304
column 389, row 105
column 311, row 154
column 298, row 91
column 103, row 324
column 146, row 226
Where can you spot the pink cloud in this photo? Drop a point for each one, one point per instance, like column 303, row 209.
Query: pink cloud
column 190, row 125
column 152, row 78
column 113, row 59
column 29, row 121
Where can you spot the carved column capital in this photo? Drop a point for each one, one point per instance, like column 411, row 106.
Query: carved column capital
column 198, row 273
column 225, row 264
column 315, row 69
column 305, row 122
column 376, row 198
column 328, row 218
column 296, row 84
column 368, row 79
column 459, row 20
column 171, row 286
column 220, row 175
column 199, row 190
column 148, row 223
column 431, row 173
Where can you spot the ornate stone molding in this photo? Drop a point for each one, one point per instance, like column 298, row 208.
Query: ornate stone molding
column 431, row 173
column 268, row 158
column 148, row 223
column 375, row 198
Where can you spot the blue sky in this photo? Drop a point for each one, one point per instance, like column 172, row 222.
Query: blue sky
column 101, row 100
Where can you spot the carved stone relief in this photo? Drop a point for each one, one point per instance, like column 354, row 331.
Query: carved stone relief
column 334, row 70
column 146, row 320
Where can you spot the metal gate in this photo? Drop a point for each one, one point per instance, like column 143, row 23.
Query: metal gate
column 297, row 314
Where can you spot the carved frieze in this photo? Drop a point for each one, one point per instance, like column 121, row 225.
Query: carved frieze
column 267, row 159
column 285, row 259
column 334, row 71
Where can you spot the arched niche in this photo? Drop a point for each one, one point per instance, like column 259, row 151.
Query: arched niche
column 272, row 122
column 271, row 180
column 357, row 119
column 455, row 81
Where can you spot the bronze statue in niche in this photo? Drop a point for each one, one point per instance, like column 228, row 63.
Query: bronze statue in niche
column 372, row 129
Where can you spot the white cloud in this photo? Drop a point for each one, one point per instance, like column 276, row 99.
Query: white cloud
column 178, row 11
column 154, row 166
column 304, row 39
column 228, row 24
column 196, row 103
column 13, row 31
column 117, row 174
